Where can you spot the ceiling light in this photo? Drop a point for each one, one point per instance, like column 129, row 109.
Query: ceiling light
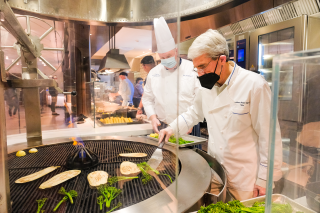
column 44, row 65
column 90, row 34
column 12, row 60
column 7, row 57
column 39, row 59
column 17, row 63
column 149, row 49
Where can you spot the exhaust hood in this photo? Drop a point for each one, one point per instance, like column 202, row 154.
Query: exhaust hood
column 114, row 60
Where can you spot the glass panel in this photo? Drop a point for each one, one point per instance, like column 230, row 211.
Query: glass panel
column 272, row 44
column 300, row 129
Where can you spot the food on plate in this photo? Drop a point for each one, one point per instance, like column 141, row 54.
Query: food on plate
column 133, row 155
column 109, row 193
column 60, row 178
column 97, row 178
column 172, row 139
column 129, row 168
column 67, row 196
column 237, row 206
column 146, row 177
column 36, row 175
column 20, row 153
column 40, row 204
column 33, row 150
column 116, row 120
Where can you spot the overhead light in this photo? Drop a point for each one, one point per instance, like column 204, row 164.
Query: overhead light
column 149, row 49
column 18, row 63
column 39, row 59
column 90, row 34
column 143, row 52
column 12, row 60
column 7, row 57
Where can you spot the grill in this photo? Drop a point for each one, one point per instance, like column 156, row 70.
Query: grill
column 24, row 196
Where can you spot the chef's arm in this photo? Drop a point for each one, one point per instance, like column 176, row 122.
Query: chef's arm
column 148, row 99
column 260, row 109
column 187, row 120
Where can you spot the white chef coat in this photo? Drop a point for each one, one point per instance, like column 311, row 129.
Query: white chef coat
column 238, row 121
column 126, row 90
column 161, row 91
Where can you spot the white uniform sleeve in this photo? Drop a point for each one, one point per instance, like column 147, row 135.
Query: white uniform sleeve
column 148, row 99
column 260, row 115
column 123, row 91
column 186, row 120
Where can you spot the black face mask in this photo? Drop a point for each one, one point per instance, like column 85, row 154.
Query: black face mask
column 210, row 79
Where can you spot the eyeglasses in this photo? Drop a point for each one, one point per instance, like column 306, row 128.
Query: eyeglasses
column 201, row 70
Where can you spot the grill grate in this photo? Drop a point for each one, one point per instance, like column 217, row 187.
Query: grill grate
column 24, row 196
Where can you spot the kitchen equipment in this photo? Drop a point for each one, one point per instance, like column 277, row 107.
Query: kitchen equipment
column 278, row 198
column 197, row 140
column 156, row 157
column 82, row 158
column 313, row 195
column 136, row 197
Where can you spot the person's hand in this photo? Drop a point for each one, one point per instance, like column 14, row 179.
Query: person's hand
column 190, row 130
column 155, row 123
column 139, row 112
column 165, row 134
column 258, row 191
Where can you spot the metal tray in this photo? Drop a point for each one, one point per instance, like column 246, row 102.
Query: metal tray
column 278, row 198
column 197, row 140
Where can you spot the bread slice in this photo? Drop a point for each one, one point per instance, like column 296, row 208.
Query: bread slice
column 129, row 169
column 97, row 178
column 60, row 178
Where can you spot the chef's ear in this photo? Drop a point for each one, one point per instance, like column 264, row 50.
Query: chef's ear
column 223, row 59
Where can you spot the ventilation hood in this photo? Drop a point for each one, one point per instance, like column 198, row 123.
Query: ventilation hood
column 114, row 60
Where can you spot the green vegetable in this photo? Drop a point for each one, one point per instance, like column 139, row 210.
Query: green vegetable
column 109, row 193
column 69, row 195
column 40, row 204
column 117, row 206
column 236, row 206
column 100, row 201
column 146, row 177
column 62, row 191
column 147, row 168
column 115, row 179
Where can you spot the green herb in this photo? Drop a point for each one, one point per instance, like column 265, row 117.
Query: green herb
column 117, row 206
column 68, row 196
column 100, row 201
column 109, row 193
column 40, row 204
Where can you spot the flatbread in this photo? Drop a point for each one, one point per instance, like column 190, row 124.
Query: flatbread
column 97, row 178
column 134, row 155
column 60, row 178
column 36, row 175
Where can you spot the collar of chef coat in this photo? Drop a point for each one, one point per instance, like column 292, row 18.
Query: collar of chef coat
column 224, row 98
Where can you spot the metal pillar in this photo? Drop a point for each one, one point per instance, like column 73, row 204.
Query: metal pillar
column 5, row 205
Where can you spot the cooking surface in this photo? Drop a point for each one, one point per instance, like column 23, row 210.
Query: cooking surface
column 24, row 196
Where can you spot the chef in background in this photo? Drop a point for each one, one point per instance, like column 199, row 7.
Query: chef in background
column 126, row 89
column 148, row 64
column 162, row 93
column 236, row 104
column 138, row 92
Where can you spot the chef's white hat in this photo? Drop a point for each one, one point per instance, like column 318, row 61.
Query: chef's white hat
column 165, row 41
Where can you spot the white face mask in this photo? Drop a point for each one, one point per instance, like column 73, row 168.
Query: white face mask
column 169, row 62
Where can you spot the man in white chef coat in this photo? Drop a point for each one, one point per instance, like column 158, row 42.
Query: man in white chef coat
column 126, row 89
column 236, row 104
column 162, row 93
